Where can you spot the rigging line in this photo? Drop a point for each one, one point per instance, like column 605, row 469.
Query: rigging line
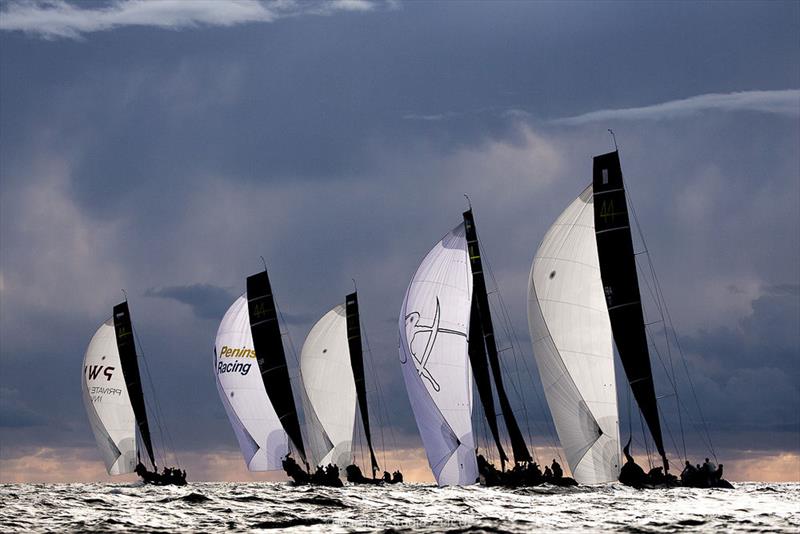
column 660, row 305
column 376, row 381
column 671, row 437
column 630, row 413
column 513, row 339
column 153, row 408
column 680, row 404
column 510, row 333
column 674, row 333
column 156, row 405
column 646, row 443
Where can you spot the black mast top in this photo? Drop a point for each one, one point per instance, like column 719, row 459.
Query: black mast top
column 357, row 363
column 621, row 286
column 518, row 446
column 123, row 329
column 271, row 357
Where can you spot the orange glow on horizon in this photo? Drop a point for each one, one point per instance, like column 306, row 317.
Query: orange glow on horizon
column 51, row 465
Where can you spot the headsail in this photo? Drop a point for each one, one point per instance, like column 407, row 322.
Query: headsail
column 433, row 354
column 107, row 403
column 357, row 365
column 519, row 448
column 328, row 383
column 271, row 357
column 130, row 370
column 621, row 287
column 262, row 440
column 572, row 343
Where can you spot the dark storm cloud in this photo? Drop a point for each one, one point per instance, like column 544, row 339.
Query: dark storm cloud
column 167, row 162
column 207, row 301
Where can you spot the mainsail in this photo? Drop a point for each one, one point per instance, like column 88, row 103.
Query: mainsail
column 271, row 357
column 130, row 371
column 572, row 343
column 105, row 397
column 433, row 354
column 262, row 440
column 357, row 364
column 330, row 393
column 621, row 287
column 481, row 297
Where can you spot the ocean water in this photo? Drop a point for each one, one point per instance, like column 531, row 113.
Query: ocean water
column 235, row 507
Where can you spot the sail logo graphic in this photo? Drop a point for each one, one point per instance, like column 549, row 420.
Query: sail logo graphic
column 230, row 352
column 422, row 340
column 93, row 371
column 235, row 366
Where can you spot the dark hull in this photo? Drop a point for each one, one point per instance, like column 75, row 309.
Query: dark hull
column 156, row 479
column 720, row 484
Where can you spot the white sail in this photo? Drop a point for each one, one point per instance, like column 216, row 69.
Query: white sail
column 108, row 406
column 261, row 438
column 434, row 322
column 329, row 386
column 572, row 343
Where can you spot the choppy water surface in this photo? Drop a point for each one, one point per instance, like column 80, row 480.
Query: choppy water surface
column 752, row 507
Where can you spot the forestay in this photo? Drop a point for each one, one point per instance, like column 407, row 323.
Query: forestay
column 433, row 353
column 262, row 440
column 572, row 343
column 328, row 381
column 107, row 403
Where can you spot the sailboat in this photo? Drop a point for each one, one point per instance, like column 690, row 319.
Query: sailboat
column 332, row 366
column 262, row 411
column 584, row 298
column 447, row 341
column 114, row 401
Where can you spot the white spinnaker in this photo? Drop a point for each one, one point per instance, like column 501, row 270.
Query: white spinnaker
column 434, row 323
column 329, row 385
column 262, row 440
column 572, row 343
column 108, row 406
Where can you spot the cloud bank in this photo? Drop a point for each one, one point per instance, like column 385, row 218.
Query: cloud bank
column 783, row 102
column 52, row 19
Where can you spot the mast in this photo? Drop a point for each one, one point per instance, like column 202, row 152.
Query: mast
column 621, row 287
column 518, row 446
column 126, row 346
column 271, row 357
column 357, row 363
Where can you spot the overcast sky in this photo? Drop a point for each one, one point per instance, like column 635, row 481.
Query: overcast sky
column 162, row 147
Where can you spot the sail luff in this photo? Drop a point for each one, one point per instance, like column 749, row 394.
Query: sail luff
column 518, row 446
column 357, row 364
column 123, row 329
column 271, row 357
column 621, row 287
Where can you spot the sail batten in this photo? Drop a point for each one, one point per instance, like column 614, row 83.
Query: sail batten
column 357, row 366
column 126, row 346
column 621, row 287
column 271, row 358
column 572, row 343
